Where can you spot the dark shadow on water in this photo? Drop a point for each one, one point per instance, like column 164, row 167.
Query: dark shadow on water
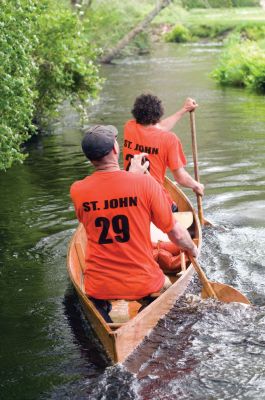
column 102, row 380
column 90, row 348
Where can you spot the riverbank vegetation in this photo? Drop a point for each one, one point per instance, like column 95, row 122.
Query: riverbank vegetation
column 44, row 60
column 50, row 51
column 242, row 30
column 114, row 20
column 242, row 64
column 216, row 23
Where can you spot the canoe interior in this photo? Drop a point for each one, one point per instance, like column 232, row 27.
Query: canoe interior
column 129, row 327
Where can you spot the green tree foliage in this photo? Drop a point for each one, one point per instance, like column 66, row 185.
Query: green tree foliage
column 114, row 19
column 17, row 77
column 44, row 59
column 66, row 62
column 179, row 34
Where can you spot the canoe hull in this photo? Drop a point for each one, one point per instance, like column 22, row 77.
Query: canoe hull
column 133, row 333
column 121, row 340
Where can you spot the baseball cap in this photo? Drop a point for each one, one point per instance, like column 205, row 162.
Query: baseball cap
column 99, row 141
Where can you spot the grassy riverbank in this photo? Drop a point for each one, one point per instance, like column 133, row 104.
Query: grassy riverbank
column 174, row 24
column 213, row 23
column 50, row 52
column 242, row 30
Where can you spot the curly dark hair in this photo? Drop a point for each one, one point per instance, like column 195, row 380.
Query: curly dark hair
column 147, row 109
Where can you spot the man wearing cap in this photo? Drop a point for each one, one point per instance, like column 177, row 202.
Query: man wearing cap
column 148, row 133
column 116, row 208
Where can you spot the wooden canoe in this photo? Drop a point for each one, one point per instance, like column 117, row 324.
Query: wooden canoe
column 129, row 327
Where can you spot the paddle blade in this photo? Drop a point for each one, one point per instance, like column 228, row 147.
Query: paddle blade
column 226, row 293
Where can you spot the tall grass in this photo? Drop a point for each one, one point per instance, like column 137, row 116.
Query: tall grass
column 219, row 3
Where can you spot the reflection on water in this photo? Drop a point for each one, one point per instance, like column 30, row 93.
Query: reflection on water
column 202, row 350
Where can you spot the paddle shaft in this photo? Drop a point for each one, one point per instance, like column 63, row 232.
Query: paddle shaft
column 206, row 284
column 195, row 162
column 183, row 261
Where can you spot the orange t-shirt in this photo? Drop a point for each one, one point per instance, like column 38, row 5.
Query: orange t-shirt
column 164, row 148
column 116, row 209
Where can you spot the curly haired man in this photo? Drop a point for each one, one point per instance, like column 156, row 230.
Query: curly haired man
column 150, row 134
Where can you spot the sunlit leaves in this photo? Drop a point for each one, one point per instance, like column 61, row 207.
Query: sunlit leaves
column 44, row 59
column 17, row 77
column 66, row 62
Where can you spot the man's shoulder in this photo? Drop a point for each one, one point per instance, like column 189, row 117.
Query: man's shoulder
column 143, row 179
column 78, row 185
column 169, row 134
column 129, row 123
column 169, row 137
column 132, row 176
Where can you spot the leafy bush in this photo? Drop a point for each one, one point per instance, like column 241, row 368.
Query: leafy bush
column 179, row 34
column 182, row 34
column 242, row 64
column 17, row 77
column 43, row 60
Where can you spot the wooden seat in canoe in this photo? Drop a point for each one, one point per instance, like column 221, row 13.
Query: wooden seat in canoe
column 185, row 218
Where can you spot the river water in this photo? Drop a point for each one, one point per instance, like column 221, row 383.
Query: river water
column 202, row 350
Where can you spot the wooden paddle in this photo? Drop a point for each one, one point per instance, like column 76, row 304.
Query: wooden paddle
column 217, row 290
column 203, row 221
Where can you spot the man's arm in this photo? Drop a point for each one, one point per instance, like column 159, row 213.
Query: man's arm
column 184, row 179
column 168, row 123
column 162, row 217
column 181, row 237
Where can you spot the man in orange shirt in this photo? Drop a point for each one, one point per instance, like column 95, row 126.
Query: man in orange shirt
column 149, row 134
column 116, row 208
